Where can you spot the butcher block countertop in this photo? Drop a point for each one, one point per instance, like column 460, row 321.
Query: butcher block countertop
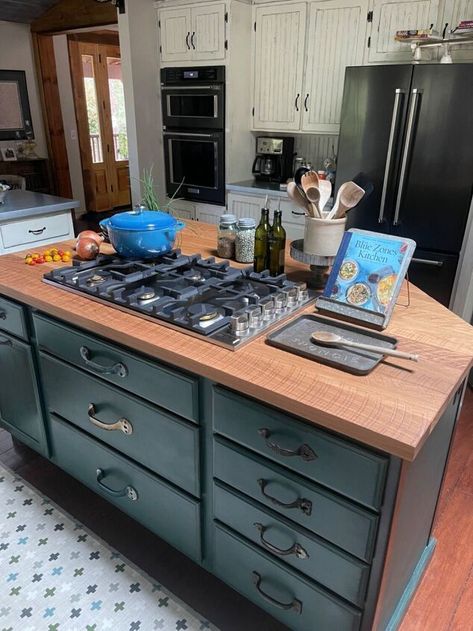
column 393, row 409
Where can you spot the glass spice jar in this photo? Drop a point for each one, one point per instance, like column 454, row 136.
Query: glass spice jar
column 226, row 235
column 245, row 240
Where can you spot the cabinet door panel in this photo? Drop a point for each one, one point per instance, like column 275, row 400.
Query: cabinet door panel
column 175, row 34
column 208, row 32
column 245, row 205
column 389, row 17
column 278, row 63
column 337, row 38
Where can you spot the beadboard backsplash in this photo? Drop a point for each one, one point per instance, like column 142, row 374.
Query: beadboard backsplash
column 315, row 148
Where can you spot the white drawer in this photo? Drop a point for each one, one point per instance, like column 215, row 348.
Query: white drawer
column 46, row 228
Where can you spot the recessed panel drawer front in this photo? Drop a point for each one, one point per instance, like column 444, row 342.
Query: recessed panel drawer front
column 155, row 382
column 35, row 229
column 338, row 464
column 160, row 441
column 298, row 603
column 12, row 318
column 170, row 514
column 314, row 557
column 328, row 515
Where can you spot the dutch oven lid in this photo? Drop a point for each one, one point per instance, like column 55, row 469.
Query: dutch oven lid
column 140, row 219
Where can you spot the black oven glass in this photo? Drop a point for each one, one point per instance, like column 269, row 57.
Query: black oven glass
column 194, row 161
column 196, row 105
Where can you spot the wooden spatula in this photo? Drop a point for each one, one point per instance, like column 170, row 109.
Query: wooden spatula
column 349, row 194
column 310, row 185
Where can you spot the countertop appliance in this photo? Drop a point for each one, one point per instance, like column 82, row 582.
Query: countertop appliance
column 409, row 129
column 193, row 107
column 274, row 159
column 211, row 300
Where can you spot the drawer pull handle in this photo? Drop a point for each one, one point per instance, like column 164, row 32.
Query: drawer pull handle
column 5, row 341
column 304, row 451
column 295, row 604
column 304, row 505
column 117, row 369
column 122, row 424
column 36, row 232
column 295, row 549
column 128, row 491
column 3, row 315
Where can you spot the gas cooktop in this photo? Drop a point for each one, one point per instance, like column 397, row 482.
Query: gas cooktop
column 202, row 297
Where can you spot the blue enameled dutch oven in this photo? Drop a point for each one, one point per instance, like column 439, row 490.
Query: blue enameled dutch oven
column 143, row 234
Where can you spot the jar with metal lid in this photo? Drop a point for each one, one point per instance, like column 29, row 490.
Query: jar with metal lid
column 226, row 236
column 245, row 240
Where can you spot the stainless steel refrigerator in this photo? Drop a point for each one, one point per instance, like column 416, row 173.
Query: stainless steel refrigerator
column 409, row 129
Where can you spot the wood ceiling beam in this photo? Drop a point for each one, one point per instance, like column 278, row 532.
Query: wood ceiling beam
column 72, row 14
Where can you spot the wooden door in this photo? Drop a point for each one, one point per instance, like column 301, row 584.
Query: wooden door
column 100, row 115
column 279, row 43
column 208, row 32
column 389, row 17
column 175, row 31
column 337, row 39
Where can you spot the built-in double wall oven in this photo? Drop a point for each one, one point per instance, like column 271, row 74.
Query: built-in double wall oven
column 193, row 106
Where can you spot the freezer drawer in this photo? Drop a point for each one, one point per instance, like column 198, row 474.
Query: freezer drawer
column 434, row 273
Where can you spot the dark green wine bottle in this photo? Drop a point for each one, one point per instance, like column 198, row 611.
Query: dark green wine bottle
column 277, row 245
column 261, row 242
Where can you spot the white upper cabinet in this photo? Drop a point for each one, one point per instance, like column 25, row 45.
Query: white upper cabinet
column 208, row 32
column 278, row 66
column 400, row 15
column 455, row 12
column 192, row 33
column 336, row 39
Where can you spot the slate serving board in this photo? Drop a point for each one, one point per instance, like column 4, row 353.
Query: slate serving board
column 295, row 337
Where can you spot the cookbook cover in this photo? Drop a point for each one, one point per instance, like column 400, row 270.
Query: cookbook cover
column 369, row 269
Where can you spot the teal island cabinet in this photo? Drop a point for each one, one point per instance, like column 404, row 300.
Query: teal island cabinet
column 310, row 491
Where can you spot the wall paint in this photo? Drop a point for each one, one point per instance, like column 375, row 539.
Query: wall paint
column 69, row 119
column 16, row 53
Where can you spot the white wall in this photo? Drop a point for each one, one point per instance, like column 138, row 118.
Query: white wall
column 69, row 119
column 140, row 67
column 16, row 53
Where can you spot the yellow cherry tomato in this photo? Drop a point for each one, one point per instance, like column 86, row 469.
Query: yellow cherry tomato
column 56, row 258
column 53, row 251
column 66, row 259
column 48, row 258
column 35, row 256
column 47, row 253
column 32, row 261
column 28, row 260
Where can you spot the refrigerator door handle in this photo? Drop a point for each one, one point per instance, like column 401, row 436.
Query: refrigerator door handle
column 427, row 262
column 398, row 93
column 406, row 153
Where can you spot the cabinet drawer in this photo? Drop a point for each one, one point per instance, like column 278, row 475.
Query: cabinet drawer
column 156, row 439
column 337, row 520
column 326, row 564
column 297, row 603
column 12, row 318
column 35, row 230
column 172, row 515
column 338, row 464
column 159, row 384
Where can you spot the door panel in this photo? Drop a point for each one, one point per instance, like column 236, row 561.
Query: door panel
column 389, row 17
column 279, row 61
column 337, row 40
column 208, row 32
column 175, row 30
column 367, row 112
column 434, row 207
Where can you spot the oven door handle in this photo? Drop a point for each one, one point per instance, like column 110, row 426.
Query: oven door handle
column 187, row 133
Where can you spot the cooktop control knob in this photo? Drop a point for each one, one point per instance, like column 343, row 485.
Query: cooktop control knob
column 292, row 297
column 255, row 317
column 268, row 310
column 303, row 293
column 280, row 301
column 239, row 324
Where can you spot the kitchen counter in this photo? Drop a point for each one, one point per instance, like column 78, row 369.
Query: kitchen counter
column 394, row 409
column 254, row 187
column 23, row 204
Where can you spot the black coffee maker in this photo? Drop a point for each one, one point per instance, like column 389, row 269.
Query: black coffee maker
column 274, row 156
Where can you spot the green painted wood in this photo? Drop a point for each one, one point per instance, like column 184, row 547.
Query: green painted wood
column 12, row 318
column 341, row 573
column 20, row 410
column 236, row 561
column 162, row 385
column 159, row 440
column 333, row 518
column 169, row 513
column 361, row 477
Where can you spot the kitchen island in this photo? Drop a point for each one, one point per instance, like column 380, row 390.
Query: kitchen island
column 309, row 490
column 30, row 219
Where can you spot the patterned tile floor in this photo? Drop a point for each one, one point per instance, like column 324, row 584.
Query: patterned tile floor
column 55, row 575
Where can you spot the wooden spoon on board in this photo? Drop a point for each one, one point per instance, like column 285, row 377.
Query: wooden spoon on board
column 310, row 185
column 349, row 194
column 332, row 339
